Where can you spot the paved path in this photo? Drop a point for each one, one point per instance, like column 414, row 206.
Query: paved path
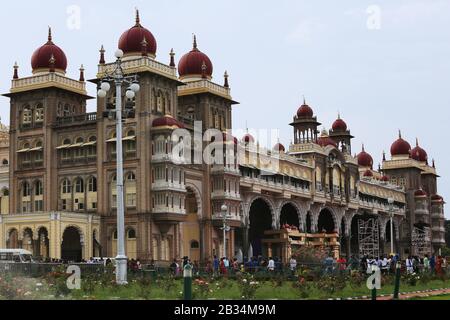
column 425, row 293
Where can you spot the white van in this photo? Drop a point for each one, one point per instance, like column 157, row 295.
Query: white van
column 15, row 256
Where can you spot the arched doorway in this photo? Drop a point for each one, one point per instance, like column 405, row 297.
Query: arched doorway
column 308, row 223
column 27, row 241
column 289, row 216
column 343, row 240
column 96, row 247
column 13, row 239
column 131, row 248
column 260, row 221
column 326, row 222
column 354, row 242
column 191, row 228
column 71, row 249
column 43, row 244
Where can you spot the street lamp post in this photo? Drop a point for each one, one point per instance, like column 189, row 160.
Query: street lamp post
column 118, row 78
column 391, row 213
column 225, row 227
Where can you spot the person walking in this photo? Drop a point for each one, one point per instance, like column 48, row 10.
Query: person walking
column 271, row 265
column 293, row 265
column 426, row 264
column 409, row 265
column 216, row 265
column 432, row 263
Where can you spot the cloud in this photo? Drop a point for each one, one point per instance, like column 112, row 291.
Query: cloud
column 305, row 32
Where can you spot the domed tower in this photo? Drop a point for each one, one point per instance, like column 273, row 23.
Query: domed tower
column 200, row 99
column 42, row 105
column 138, row 41
column 341, row 135
column 305, row 125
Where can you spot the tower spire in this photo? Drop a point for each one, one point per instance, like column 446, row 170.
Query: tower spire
column 417, row 142
column 304, row 100
column 172, row 58
column 363, row 148
column 226, row 84
column 399, row 133
column 138, row 18
column 16, row 71
column 82, row 74
column 102, row 55
column 384, row 155
column 50, row 37
column 194, row 45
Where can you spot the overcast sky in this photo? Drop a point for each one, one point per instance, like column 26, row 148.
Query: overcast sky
column 385, row 65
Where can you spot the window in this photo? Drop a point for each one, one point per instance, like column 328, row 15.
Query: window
column 66, row 187
column 66, row 110
column 92, row 184
column 79, row 151
column 66, row 153
column 195, row 245
column 131, row 234
column 38, row 188
column 39, row 156
column 79, row 186
column 5, row 162
column 39, row 114
column 27, row 116
column 130, row 188
column 92, row 147
column 26, row 190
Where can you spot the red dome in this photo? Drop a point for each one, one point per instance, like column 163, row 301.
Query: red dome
column 384, row 179
column 419, row 154
column 437, row 198
column 279, row 148
column 167, row 121
column 326, row 141
column 229, row 138
column 305, row 111
column 400, row 147
column 420, row 193
column 248, row 138
column 339, row 125
column 42, row 57
column 131, row 40
column 364, row 159
column 368, row 173
column 195, row 63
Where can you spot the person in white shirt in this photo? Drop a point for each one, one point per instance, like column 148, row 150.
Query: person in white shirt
column 271, row 265
column 409, row 265
column 293, row 264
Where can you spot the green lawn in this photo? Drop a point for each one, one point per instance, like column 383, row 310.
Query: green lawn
column 170, row 289
column 440, row 297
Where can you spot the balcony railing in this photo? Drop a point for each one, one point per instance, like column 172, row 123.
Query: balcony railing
column 78, row 119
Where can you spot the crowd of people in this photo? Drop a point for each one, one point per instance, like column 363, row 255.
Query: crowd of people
column 387, row 264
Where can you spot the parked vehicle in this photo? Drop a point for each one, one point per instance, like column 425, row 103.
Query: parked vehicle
column 15, row 256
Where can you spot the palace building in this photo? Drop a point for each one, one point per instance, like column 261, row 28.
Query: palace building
column 58, row 196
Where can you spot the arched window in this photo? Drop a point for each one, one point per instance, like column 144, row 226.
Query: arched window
column 131, row 234
column 79, row 151
column 38, row 188
column 92, row 184
column 66, row 110
column 92, row 147
column 113, row 187
column 66, row 187
column 39, row 155
column 38, row 196
column 66, row 194
column 27, row 115
column 26, row 197
column 39, row 114
column 130, row 190
column 5, row 162
column 66, row 151
column 79, row 186
column 130, row 142
column 195, row 244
